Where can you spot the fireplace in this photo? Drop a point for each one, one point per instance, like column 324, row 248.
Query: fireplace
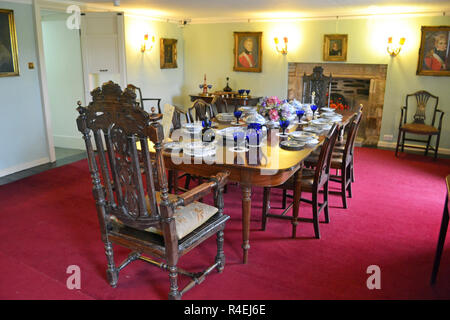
column 357, row 83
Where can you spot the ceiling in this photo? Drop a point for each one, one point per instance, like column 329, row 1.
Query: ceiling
column 222, row 10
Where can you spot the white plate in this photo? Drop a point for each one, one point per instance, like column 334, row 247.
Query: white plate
column 204, row 153
column 327, row 109
column 302, row 135
column 312, row 142
column 226, row 117
column 312, row 129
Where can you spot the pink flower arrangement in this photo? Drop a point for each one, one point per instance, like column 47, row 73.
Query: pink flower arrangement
column 273, row 114
column 273, row 101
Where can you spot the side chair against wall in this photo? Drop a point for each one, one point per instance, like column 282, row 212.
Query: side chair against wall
column 312, row 181
column 318, row 83
column 442, row 234
column 418, row 126
column 134, row 207
column 142, row 100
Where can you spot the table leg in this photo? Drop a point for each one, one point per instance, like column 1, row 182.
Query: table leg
column 246, row 210
column 296, row 200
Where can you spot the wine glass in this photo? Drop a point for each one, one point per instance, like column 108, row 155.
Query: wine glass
column 300, row 113
column 247, row 92
column 283, row 125
column 209, row 86
column 313, row 108
column 237, row 114
column 239, row 141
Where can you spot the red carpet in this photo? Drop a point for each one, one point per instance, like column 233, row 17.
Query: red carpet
column 48, row 222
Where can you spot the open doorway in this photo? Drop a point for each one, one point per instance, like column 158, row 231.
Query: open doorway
column 65, row 85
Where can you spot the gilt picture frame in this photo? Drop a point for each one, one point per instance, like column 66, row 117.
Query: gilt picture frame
column 247, row 51
column 168, row 53
column 9, row 61
column 434, row 51
column 335, row 47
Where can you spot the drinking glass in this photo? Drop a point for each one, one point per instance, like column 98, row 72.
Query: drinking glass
column 239, row 141
column 237, row 114
column 313, row 108
column 300, row 113
column 283, row 125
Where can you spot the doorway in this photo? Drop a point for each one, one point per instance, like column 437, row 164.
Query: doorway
column 65, row 84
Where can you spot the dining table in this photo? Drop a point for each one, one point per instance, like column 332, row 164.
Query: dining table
column 274, row 165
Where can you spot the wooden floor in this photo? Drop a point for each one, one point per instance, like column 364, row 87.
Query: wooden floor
column 63, row 156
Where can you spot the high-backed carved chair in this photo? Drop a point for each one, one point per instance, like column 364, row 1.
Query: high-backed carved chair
column 134, row 207
column 318, row 83
column 312, row 181
column 202, row 110
column 142, row 100
column 418, row 126
column 219, row 105
column 442, row 234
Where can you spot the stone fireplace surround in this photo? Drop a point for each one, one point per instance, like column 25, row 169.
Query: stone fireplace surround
column 369, row 131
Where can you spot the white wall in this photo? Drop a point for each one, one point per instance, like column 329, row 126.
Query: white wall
column 22, row 132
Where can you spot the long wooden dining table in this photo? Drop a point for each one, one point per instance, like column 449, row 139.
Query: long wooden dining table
column 275, row 167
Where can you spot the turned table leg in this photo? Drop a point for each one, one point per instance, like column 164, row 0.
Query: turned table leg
column 246, row 210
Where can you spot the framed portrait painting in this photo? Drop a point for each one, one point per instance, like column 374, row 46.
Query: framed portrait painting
column 168, row 53
column 9, row 65
column 335, row 47
column 247, row 51
column 434, row 51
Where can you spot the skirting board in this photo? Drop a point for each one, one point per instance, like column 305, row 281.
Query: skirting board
column 24, row 166
column 393, row 145
column 69, row 142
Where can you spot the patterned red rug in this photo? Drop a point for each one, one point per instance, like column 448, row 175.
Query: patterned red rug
column 49, row 222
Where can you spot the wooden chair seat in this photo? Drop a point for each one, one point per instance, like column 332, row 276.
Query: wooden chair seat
column 419, row 128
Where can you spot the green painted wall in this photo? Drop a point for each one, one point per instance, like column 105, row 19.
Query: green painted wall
column 209, row 50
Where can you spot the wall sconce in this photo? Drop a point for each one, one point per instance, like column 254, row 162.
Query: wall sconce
column 281, row 50
column 147, row 44
column 394, row 50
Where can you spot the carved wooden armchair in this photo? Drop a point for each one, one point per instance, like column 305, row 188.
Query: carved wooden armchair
column 134, row 207
column 141, row 100
column 219, row 105
column 318, row 83
column 418, row 126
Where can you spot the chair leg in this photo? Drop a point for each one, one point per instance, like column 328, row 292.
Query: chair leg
column 441, row 241
column 266, row 207
column 174, row 293
column 283, row 205
column 349, row 187
column 344, row 187
column 187, row 182
column 315, row 205
column 352, row 171
column 438, row 138
column 220, row 258
column 428, row 145
column 403, row 141
column 325, row 201
column 112, row 273
column 398, row 142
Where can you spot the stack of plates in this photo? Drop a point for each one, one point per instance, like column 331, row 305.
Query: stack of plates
column 327, row 109
column 193, row 128
column 227, row 133
column 225, row 117
column 302, row 136
column 199, row 149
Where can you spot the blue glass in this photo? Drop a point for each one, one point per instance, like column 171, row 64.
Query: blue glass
column 206, row 123
column 241, row 91
column 247, row 92
column 237, row 114
column 253, row 137
column 255, row 126
column 283, row 125
column 209, row 86
column 313, row 108
column 300, row 113
column 200, row 86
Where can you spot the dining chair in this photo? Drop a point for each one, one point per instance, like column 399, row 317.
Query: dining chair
column 202, row 111
column 141, row 100
column 219, row 105
column 134, row 208
column 417, row 125
column 442, row 234
column 320, row 85
column 342, row 162
column 312, row 181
